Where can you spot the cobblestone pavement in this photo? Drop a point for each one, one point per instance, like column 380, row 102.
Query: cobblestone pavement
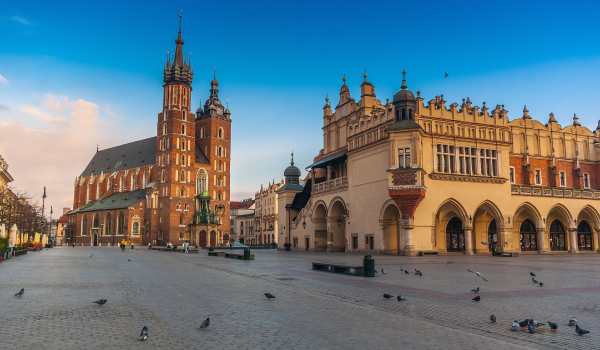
column 172, row 293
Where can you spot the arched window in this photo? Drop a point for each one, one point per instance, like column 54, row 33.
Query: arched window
column 403, row 113
column 455, row 236
column 201, row 181
column 220, row 165
column 182, row 144
column 121, row 184
column 178, row 206
column 183, row 115
column 183, row 160
column 183, row 192
column 557, row 236
column 528, row 236
column 183, row 129
column 84, row 225
column 181, row 220
column 584, row 236
column 220, row 133
column 202, row 132
column 219, row 195
column 96, row 221
column 219, row 181
column 160, row 235
column 164, row 128
column 187, row 206
column 162, row 176
column 175, row 95
column 182, row 176
column 181, row 234
column 108, row 224
column 145, row 180
column 121, row 224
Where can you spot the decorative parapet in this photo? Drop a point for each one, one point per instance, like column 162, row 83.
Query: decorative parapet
column 467, row 178
column 520, row 190
column 335, row 184
column 408, row 187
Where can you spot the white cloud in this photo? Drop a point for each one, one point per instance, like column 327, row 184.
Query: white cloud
column 20, row 19
column 3, row 79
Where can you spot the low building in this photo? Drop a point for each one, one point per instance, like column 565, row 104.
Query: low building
column 245, row 227
column 266, row 214
column 240, row 209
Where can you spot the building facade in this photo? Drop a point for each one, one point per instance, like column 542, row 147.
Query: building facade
column 410, row 176
column 266, row 230
column 242, row 220
column 148, row 191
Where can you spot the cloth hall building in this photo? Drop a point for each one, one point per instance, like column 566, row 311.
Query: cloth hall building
column 410, row 176
column 167, row 188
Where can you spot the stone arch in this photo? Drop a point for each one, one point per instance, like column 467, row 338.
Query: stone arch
column 589, row 215
column 449, row 209
column 319, row 219
column 390, row 227
column 336, row 226
column 526, row 211
column 561, row 214
column 337, row 199
column 485, row 216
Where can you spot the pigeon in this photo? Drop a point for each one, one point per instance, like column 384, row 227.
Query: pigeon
column 531, row 328
column 477, row 298
column 205, row 323
column 406, row 272
column 493, row 318
column 534, row 281
column 572, row 322
column 400, row 298
column 128, row 259
column 477, row 274
column 580, row 331
column 535, row 323
column 476, row 290
column 387, row 296
column 269, row 296
column 91, row 255
column 552, row 325
column 541, row 284
column 450, row 262
column 383, row 271
column 445, row 75
column 401, row 269
column 532, row 274
column 100, row 302
column 524, row 324
column 417, row 272
column 375, row 271
column 144, row 334
column 21, row 292
column 515, row 326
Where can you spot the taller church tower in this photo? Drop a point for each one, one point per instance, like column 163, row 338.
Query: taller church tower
column 175, row 147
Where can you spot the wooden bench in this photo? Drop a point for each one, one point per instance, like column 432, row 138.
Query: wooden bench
column 507, row 254
column 428, row 252
column 214, row 253
column 338, row 268
column 236, row 256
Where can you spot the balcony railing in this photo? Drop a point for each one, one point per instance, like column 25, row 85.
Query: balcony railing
column 334, row 184
column 543, row 191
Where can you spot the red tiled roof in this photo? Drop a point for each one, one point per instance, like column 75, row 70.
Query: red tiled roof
column 63, row 219
column 240, row 205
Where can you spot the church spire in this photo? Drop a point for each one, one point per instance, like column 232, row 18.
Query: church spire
column 179, row 71
column 178, row 63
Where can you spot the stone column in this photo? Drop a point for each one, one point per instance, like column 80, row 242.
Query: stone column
column 400, row 237
column 328, row 172
column 409, row 248
column 468, row 241
column 541, row 241
column 573, row 240
column 595, row 238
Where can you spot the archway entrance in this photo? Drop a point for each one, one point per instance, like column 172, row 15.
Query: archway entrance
column 95, row 240
column 584, row 236
column 455, row 236
column 528, row 236
column 337, row 228
column 320, row 227
column 557, row 236
column 391, row 230
column 202, row 239
column 492, row 235
column 213, row 238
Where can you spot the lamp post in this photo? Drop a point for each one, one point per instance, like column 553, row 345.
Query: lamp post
column 43, row 204
column 50, row 233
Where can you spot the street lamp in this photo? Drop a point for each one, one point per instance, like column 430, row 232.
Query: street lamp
column 304, row 224
column 339, row 221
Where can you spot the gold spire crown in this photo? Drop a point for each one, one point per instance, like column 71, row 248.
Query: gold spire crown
column 365, row 75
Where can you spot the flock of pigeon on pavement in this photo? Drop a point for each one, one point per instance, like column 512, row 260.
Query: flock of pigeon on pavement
column 529, row 324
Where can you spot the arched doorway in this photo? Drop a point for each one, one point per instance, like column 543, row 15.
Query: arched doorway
column 492, row 235
column 528, row 235
column 95, row 240
column 202, row 239
column 584, row 236
column 455, row 236
column 320, row 227
column 337, row 228
column 391, row 230
column 213, row 238
column 557, row 236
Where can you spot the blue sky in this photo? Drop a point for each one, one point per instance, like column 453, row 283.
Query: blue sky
column 77, row 74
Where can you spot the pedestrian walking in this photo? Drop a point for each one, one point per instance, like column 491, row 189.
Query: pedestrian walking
column 185, row 247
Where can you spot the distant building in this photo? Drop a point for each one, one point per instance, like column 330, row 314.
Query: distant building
column 266, row 214
column 242, row 217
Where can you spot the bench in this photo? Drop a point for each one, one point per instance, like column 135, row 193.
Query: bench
column 428, row 252
column 236, row 255
column 338, row 268
column 507, row 254
column 214, row 253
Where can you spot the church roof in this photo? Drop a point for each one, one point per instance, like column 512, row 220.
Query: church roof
column 130, row 155
column 117, row 201
column 404, row 125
